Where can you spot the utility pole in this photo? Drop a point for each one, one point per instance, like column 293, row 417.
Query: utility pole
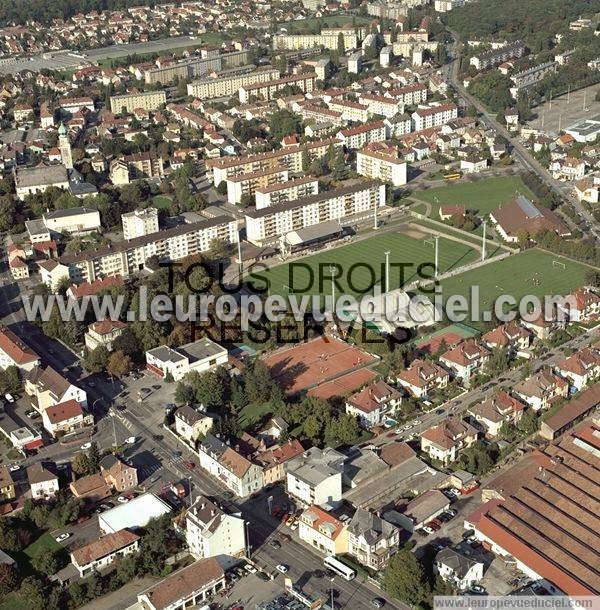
column 568, row 95
column 375, row 214
column 240, row 263
column 114, row 430
column 387, row 270
column 436, row 239
column 483, row 248
column 331, row 270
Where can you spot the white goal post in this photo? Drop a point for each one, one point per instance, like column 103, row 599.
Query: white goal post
column 559, row 264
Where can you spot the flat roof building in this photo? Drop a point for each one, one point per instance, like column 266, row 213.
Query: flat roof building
column 134, row 514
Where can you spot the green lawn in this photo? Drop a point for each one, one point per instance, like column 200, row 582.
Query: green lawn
column 483, row 195
column 361, row 265
column 43, row 544
column 162, row 202
column 251, row 414
column 530, row 272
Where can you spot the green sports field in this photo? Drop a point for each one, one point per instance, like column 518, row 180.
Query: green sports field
column 482, row 195
column 531, row 272
column 360, row 265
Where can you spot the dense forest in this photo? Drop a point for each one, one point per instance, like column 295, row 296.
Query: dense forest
column 19, row 12
column 516, row 19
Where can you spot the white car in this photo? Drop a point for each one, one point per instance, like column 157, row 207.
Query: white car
column 86, row 446
column 130, row 440
column 282, row 568
column 9, row 397
column 63, row 537
column 427, row 529
column 250, row 568
column 14, row 467
column 122, row 499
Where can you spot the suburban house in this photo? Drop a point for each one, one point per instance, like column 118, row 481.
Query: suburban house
column 496, row 410
column 466, row 359
column 103, row 332
column 101, row 553
column 14, row 352
column 48, row 387
column 92, row 488
column 274, row 428
column 189, row 587
column 449, row 210
column 234, row 470
column 580, row 368
column 211, row 531
column 274, row 459
column 373, row 404
column 511, row 336
column 543, row 326
column 65, row 417
column 191, row 424
column 201, row 356
column 323, row 531
column 43, row 480
column 371, row 539
column 423, row 376
column 315, row 477
column 118, row 474
column 542, row 389
column 7, row 485
column 457, row 569
column 445, row 441
column 581, row 305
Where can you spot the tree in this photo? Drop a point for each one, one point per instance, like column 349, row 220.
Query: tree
column 9, row 579
column 80, row 465
column 284, row 123
column 341, row 45
column 93, row 458
column 118, row 364
column 9, row 539
column 184, row 393
column 95, row 361
column 10, row 380
column 125, row 570
column 48, row 563
column 404, row 578
column 528, row 424
column 32, row 590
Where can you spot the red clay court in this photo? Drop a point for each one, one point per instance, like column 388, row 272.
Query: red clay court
column 306, row 365
column 344, row 385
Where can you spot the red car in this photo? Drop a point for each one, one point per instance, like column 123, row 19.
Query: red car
column 434, row 526
column 285, row 517
column 190, row 465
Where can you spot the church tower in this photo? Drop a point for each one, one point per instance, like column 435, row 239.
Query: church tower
column 65, row 147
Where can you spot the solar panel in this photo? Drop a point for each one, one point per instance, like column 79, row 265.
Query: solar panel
column 527, row 207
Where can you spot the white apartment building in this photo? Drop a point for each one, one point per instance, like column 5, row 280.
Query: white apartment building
column 361, row 135
column 210, row 531
column 380, row 104
column 246, row 184
column 267, row 90
column 200, row 356
column 381, row 163
column 103, row 332
column 15, row 352
column 73, row 221
column 433, row 116
column 103, row 552
column 323, row 531
column 409, row 95
column 351, row 111
column 139, row 223
column 288, row 156
column 128, row 257
column 315, row 477
column 328, row 38
column 282, row 192
column 146, row 100
column 226, row 86
column 357, row 201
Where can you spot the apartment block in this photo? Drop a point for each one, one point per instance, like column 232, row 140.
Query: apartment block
column 381, row 161
column 359, row 200
column 246, row 184
column 328, row 38
column 433, row 116
column 289, row 157
column 283, row 192
column 139, row 223
column 361, row 135
column 267, row 90
column 148, row 100
column 495, row 57
column 226, row 86
column 410, row 94
column 380, row 104
column 128, row 257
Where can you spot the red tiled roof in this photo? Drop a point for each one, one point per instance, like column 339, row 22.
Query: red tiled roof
column 63, row 411
column 17, row 350
column 111, row 543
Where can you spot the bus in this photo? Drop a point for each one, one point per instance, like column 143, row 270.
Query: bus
column 338, row 567
column 454, row 176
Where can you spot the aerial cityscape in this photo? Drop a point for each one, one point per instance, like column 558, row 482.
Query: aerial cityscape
column 300, row 305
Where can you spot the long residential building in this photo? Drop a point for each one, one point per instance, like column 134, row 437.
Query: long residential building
column 383, row 162
column 226, row 86
column 194, row 68
column 494, row 57
column 268, row 224
column 268, row 89
column 246, row 184
column 127, row 257
column 434, row 116
column 328, row 38
column 148, row 100
column 289, row 157
column 282, row 192
column 410, row 94
column 527, row 78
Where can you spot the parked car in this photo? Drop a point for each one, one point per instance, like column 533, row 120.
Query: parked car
column 189, row 464
column 294, row 525
column 477, row 590
column 263, row 576
column 86, row 446
column 282, row 568
column 427, row 529
column 130, row 440
column 32, row 414
column 122, row 500
column 63, row 536
column 14, row 467
column 275, row 544
column 9, row 397
column 377, row 602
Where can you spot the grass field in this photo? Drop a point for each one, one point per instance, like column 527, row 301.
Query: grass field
column 483, row 195
column 162, row 202
column 530, row 272
column 362, row 264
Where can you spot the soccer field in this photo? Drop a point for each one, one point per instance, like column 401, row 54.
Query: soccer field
column 531, row 272
column 482, row 195
column 361, row 265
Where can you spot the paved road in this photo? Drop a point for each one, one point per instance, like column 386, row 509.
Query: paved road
column 519, row 152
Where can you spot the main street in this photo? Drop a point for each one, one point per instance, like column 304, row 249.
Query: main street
column 519, row 152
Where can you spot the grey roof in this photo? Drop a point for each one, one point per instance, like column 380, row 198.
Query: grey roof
column 108, row 461
column 36, row 176
column 40, row 472
column 213, row 446
column 459, row 564
column 201, row 349
column 165, row 354
column 189, row 415
column 316, row 465
column 35, row 227
column 68, row 212
column 370, row 526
